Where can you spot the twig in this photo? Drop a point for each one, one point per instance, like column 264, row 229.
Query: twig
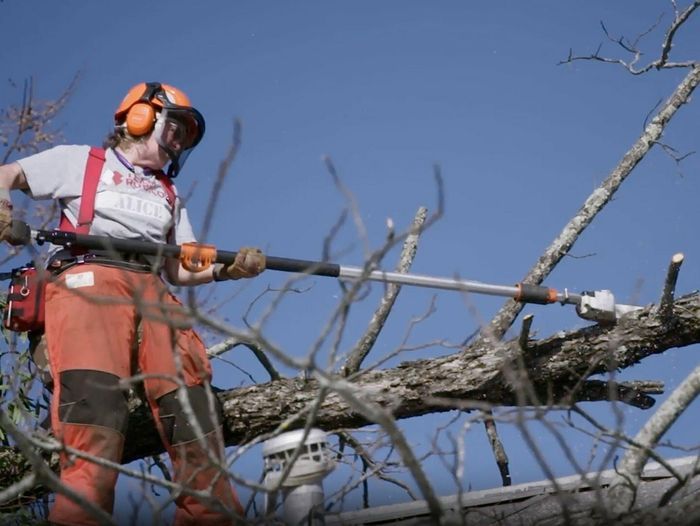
column 18, row 488
column 666, row 302
column 255, row 348
column 497, row 446
column 633, row 47
column 668, row 41
column 224, row 167
column 362, row 348
column 634, row 393
column 369, row 462
column 525, row 332
column 352, row 202
column 375, row 413
column 624, row 486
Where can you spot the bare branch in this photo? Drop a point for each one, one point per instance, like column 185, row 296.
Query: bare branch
column 252, row 345
column 599, row 198
column 525, row 332
column 624, row 487
column 666, row 303
column 25, row 128
column 368, row 462
column 224, row 167
column 359, row 401
column 499, row 451
column 20, row 487
column 471, row 380
column 362, row 348
column 633, row 47
column 677, row 23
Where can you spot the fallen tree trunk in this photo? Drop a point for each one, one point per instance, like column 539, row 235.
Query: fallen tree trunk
column 555, row 366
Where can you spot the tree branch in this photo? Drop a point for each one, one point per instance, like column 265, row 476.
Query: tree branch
column 476, row 376
column 624, row 487
column 598, row 199
column 362, row 348
column 666, row 303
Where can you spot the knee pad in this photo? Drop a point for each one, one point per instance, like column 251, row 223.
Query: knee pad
column 176, row 426
column 94, row 398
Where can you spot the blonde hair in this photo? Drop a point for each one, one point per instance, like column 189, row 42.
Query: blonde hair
column 123, row 139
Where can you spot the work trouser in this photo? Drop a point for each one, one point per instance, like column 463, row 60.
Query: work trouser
column 102, row 325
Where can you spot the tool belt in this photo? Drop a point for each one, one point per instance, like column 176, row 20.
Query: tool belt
column 24, row 311
column 65, row 259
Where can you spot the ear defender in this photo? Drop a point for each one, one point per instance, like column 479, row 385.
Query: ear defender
column 140, row 119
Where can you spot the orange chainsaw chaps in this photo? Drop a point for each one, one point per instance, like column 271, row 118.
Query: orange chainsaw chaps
column 91, row 481
column 195, row 470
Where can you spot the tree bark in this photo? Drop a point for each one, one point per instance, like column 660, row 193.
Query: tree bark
column 555, row 365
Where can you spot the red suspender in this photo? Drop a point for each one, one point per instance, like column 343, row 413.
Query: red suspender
column 93, row 171
column 168, row 186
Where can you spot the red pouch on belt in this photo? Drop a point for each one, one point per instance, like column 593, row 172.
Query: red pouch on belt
column 25, row 300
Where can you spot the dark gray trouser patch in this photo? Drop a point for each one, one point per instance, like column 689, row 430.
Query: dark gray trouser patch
column 176, row 425
column 94, row 398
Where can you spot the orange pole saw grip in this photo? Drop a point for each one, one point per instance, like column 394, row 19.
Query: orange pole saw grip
column 197, row 257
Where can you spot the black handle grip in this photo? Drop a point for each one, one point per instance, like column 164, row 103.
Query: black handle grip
column 57, row 237
column 317, row 268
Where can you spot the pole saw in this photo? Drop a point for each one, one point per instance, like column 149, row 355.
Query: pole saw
column 596, row 306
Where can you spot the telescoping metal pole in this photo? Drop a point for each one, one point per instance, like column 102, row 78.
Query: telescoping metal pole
column 598, row 306
column 521, row 292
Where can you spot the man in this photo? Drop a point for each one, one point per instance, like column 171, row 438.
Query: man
column 110, row 315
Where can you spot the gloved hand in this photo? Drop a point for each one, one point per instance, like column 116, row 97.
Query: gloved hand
column 5, row 214
column 249, row 262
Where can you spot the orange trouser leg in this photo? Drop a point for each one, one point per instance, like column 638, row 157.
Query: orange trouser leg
column 191, row 460
column 194, row 470
column 93, row 482
column 89, row 331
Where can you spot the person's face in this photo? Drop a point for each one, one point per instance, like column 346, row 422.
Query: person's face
column 152, row 155
column 173, row 135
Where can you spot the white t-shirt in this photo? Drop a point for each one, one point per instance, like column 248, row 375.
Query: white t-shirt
column 129, row 204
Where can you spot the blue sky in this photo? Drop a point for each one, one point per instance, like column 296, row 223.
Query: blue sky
column 387, row 89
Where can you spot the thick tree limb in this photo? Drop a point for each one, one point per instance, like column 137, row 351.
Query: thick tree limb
column 598, row 199
column 555, row 364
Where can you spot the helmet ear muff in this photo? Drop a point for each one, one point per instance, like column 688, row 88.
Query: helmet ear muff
column 140, row 119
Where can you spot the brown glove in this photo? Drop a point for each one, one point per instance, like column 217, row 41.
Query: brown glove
column 5, row 215
column 249, row 262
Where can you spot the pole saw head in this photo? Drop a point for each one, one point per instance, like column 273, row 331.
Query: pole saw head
column 600, row 306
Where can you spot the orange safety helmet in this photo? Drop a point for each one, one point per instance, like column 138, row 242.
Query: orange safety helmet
column 167, row 111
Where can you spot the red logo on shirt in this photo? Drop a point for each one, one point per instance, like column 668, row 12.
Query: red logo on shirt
column 138, row 182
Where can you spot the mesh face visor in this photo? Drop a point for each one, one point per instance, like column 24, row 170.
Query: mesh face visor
column 178, row 131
